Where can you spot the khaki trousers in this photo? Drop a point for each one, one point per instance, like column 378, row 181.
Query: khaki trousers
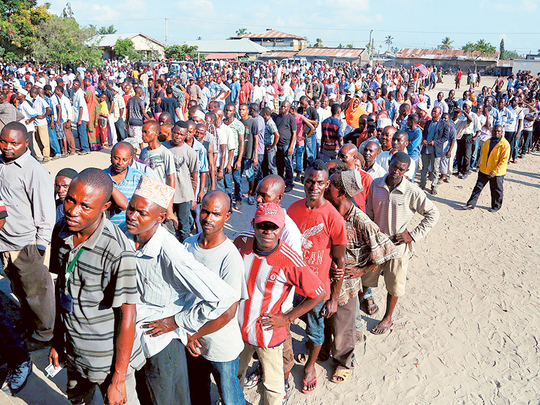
column 271, row 359
column 42, row 141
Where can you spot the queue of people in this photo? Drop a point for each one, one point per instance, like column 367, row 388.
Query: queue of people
column 127, row 333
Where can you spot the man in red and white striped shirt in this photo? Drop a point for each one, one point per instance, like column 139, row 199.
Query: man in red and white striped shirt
column 272, row 268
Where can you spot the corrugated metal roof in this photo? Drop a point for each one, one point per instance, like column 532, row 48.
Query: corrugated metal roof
column 346, row 53
column 432, row 54
column 109, row 40
column 243, row 45
column 280, row 54
column 271, row 34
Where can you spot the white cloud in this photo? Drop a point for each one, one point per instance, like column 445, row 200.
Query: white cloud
column 196, row 7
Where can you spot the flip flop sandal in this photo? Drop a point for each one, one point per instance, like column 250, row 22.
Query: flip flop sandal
column 341, row 374
column 372, row 306
column 383, row 328
column 305, row 390
column 302, row 358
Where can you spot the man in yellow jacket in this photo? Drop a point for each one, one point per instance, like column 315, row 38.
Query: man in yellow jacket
column 495, row 154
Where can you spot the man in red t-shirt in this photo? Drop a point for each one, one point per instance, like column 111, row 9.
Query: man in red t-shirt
column 272, row 268
column 324, row 239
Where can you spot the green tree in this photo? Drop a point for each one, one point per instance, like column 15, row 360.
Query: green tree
column 340, row 45
column 124, row 48
column 502, row 52
column 511, row 55
column 389, row 41
column 318, row 43
column 241, row 31
column 179, row 52
column 394, row 50
column 481, row 47
column 370, row 49
column 103, row 30
column 19, row 21
column 350, row 46
column 61, row 39
column 446, row 43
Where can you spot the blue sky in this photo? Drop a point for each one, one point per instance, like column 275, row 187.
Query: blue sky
column 412, row 23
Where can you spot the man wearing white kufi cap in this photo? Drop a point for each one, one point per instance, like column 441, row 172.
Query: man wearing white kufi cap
column 178, row 295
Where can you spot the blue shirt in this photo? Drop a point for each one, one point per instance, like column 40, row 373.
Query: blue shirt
column 202, row 156
column 126, row 187
column 415, row 141
column 235, row 88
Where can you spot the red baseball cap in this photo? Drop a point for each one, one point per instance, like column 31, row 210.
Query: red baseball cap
column 270, row 212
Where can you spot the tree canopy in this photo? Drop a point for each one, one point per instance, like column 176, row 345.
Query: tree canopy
column 124, row 48
column 19, row 21
column 60, row 39
column 483, row 47
column 446, row 43
column 179, row 52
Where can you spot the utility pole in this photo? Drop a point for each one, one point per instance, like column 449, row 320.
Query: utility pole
column 166, row 32
column 370, row 51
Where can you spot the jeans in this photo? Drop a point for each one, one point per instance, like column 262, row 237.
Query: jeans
column 81, row 137
column 314, row 322
column 120, row 126
column 496, row 186
column 185, row 220
column 55, row 146
column 269, row 166
column 299, row 158
column 166, row 376
column 225, row 374
column 517, row 142
column 311, row 148
column 284, row 165
column 226, row 184
column 511, row 138
column 237, row 180
column 475, row 160
column 435, row 162
column 526, row 144
column 14, row 351
column 464, row 153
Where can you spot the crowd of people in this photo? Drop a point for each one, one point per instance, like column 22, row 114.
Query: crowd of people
column 151, row 297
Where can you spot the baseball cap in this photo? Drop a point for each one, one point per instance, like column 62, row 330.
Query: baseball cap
column 422, row 106
column 270, row 212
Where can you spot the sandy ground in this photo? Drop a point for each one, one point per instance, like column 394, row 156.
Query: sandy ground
column 464, row 333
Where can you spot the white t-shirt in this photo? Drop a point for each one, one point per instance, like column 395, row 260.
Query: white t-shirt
column 28, row 112
column 224, row 260
column 225, row 137
column 222, row 96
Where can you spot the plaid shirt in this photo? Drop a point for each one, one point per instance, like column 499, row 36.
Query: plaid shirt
column 366, row 243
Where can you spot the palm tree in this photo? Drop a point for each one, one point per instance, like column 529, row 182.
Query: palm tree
column 370, row 49
column 389, row 41
column 318, row 43
column 446, row 43
column 241, row 31
column 199, row 38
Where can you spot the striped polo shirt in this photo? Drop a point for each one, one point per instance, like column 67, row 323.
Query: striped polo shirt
column 269, row 280
column 126, row 187
column 103, row 278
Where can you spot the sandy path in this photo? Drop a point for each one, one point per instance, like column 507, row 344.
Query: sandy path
column 464, row 333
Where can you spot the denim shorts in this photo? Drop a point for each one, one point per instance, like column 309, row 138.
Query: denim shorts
column 314, row 322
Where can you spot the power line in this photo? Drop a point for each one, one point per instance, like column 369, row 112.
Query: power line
column 319, row 28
